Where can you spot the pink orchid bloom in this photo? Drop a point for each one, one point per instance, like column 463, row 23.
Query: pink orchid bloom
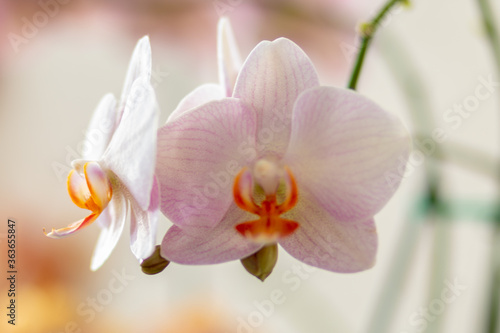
column 284, row 160
column 117, row 171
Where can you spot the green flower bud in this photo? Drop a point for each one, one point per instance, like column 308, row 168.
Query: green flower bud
column 261, row 263
column 155, row 263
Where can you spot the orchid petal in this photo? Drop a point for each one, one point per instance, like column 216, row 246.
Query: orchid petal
column 271, row 78
column 98, row 184
column 323, row 242
column 79, row 165
column 131, row 153
column 111, row 221
column 101, row 128
column 228, row 56
column 78, row 190
column 203, row 246
column 199, row 154
column 143, row 225
column 72, row 228
column 138, row 68
column 201, row 95
column 342, row 149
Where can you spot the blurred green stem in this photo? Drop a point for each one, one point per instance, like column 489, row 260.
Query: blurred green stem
column 493, row 310
column 399, row 62
column 386, row 304
column 421, row 112
column 491, row 30
column 492, row 315
column 469, row 158
column 367, row 32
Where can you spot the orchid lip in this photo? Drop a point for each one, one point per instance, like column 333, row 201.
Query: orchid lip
column 90, row 190
column 270, row 226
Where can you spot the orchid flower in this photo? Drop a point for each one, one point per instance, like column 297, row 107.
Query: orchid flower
column 284, row 160
column 116, row 172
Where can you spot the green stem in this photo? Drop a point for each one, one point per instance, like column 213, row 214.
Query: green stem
column 492, row 315
column 491, row 30
column 367, row 33
column 468, row 158
column 398, row 273
column 492, row 324
column 408, row 79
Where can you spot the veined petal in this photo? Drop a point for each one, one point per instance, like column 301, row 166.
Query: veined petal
column 139, row 68
column 228, row 56
column 143, row 225
column 199, row 154
column 72, row 228
column 101, row 128
column 131, row 154
column 323, row 242
column 271, row 78
column 201, row 95
column 203, row 246
column 111, row 221
column 343, row 148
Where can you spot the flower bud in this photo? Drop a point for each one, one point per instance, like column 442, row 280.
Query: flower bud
column 155, row 263
column 261, row 263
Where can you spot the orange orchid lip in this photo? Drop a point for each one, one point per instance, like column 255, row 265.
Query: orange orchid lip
column 270, row 226
column 91, row 191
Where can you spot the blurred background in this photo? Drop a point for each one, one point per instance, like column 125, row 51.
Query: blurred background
column 436, row 256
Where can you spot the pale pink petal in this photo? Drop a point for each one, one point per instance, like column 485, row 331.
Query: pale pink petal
column 143, row 225
column 203, row 246
column 131, row 154
column 201, row 95
column 98, row 184
column 138, row 68
column 199, row 154
column 101, row 128
column 343, row 148
column 228, row 56
column 72, row 228
column 323, row 242
column 111, row 221
column 271, row 78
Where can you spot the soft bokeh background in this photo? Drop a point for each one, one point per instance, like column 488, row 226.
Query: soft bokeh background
column 51, row 83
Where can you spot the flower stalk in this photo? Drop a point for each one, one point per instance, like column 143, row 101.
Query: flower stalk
column 367, row 31
column 492, row 322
